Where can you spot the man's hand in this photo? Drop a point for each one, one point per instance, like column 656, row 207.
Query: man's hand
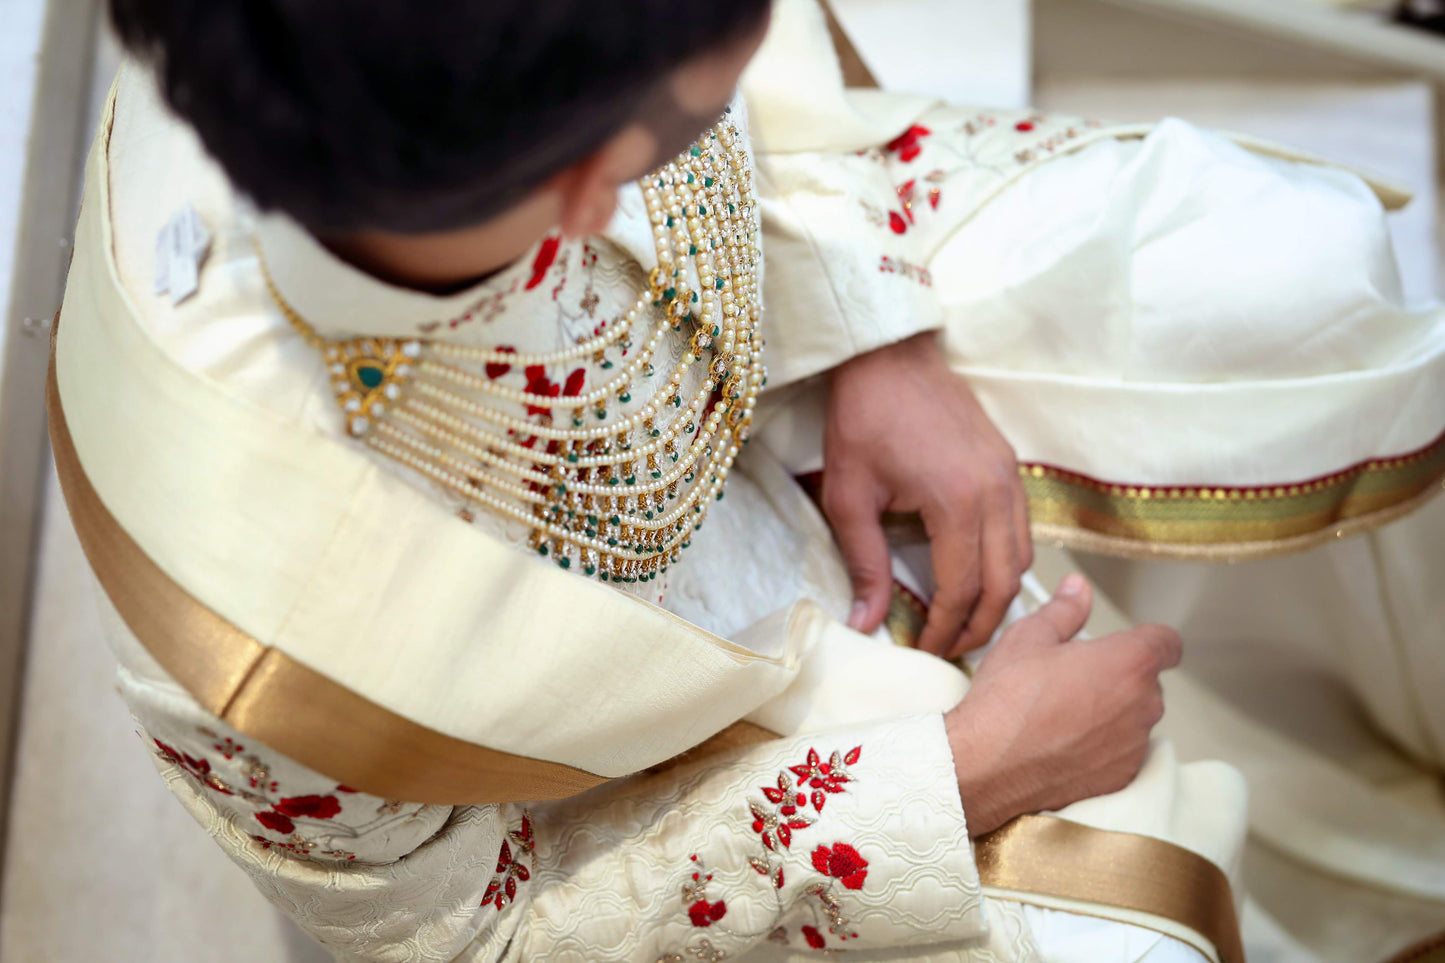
column 906, row 435
column 1051, row 721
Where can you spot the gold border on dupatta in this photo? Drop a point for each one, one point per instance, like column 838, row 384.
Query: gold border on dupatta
column 1226, row 524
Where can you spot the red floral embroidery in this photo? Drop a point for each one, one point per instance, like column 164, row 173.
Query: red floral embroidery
column 228, row 748
column 703, row 913
column 892, row 265
column 896, row 223
column 775, row 819
column 843, row 863
column 546, row 254
column 538, row 383
column 495, row 369
column 906, row 145
column 315, row 807
column 200, row 769
column 510, row 868
column 829, row 776
column 276, row 822
column 1024, row 126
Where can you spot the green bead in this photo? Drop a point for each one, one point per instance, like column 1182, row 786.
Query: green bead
column 612, row 481
column 565, row 562
column 369, row 376
column 696, row 151
column 707, row 182
column 591, row 570
column 669, row 294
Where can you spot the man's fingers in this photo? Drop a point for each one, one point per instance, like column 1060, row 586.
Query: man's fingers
column 1000, row 584
column 1021, row 529
column 856, row 520
column 956, row 570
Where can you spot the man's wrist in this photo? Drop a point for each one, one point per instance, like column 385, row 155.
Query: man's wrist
column 989, row 795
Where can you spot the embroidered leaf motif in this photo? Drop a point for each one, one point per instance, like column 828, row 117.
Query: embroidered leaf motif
column 759, row 864
column 778, row 878
column 774, row 795
column 853, row 755
column 785, row 835
column 818, row 799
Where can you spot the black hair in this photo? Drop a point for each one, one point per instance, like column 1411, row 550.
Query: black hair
column 413, row 116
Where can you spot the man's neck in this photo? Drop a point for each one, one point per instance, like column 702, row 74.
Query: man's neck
column 444, row 262
column 423, row 263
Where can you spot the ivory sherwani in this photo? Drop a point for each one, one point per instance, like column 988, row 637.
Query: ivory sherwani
column 434, row 681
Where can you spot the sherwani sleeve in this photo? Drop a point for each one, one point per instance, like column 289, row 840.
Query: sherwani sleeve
column 850, row 838
column 846, row 257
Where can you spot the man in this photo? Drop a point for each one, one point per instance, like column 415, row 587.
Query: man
column 301, row 478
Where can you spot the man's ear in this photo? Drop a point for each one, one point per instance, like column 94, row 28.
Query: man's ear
column 588, row 189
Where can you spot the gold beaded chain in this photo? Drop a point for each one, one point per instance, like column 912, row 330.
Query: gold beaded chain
column 618, row 495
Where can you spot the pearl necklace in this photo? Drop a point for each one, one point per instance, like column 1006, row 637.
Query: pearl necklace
column 618, row 496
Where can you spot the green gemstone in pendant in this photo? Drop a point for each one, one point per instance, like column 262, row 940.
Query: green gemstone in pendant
column 564, row 561
column 669, row 294
column 591, row 570
column 696, row 151
column 707, row 182
column 370, row 377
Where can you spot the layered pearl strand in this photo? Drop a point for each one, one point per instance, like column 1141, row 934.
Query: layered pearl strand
column 617, row 493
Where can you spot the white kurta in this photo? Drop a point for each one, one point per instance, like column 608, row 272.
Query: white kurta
column 695, row 862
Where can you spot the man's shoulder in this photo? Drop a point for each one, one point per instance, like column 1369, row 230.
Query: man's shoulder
column 155, row 170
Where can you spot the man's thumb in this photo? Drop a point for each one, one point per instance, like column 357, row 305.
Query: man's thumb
column 1068, row 610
